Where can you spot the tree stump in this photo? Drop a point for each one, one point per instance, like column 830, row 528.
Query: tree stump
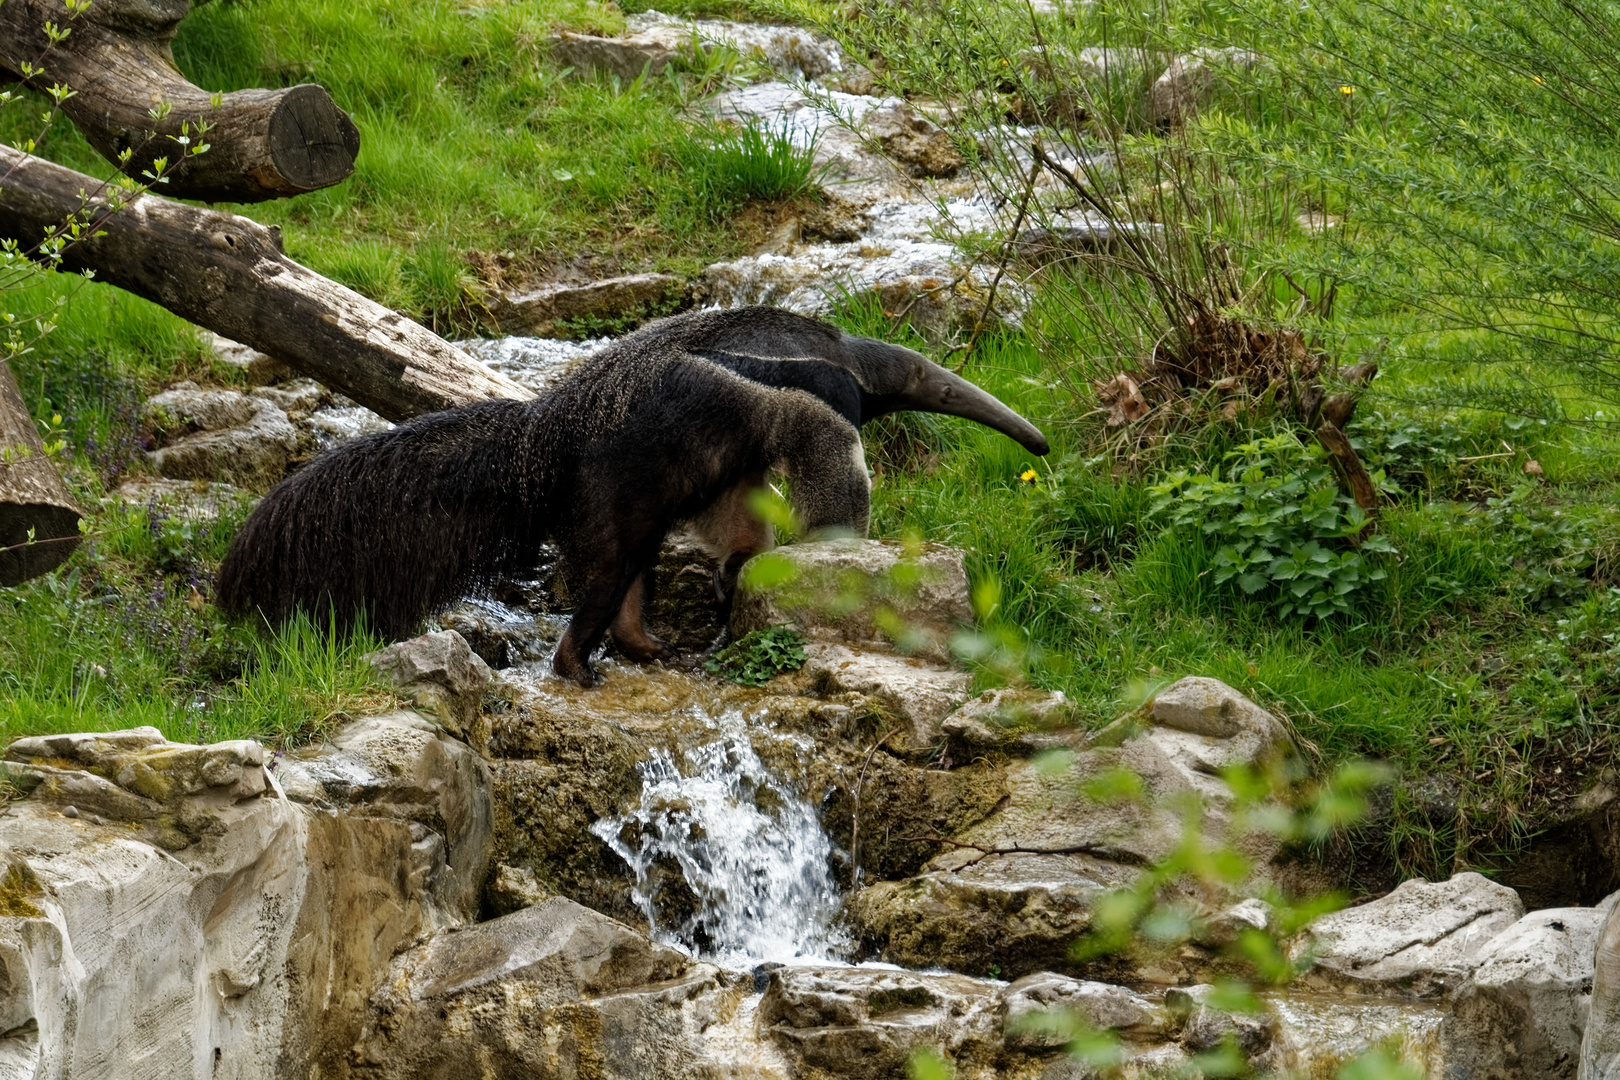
column 39, row 521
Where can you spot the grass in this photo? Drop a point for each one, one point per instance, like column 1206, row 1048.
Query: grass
column 122, row 636
column 482, row 161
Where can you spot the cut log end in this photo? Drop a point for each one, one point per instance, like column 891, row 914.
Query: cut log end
column 313, row 143
column 55, row 534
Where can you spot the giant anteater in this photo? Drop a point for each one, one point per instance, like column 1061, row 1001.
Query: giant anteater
column 674, row 423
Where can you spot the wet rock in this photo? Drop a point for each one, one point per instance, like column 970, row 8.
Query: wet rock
column 1315, row 1034
column 1020, row 722
column 1205, row 1024
column 913, row 140
column 398, row 766
column 1188, row 84
column 916, row 693
column 514, row 888
column 294, row 396
column 899, row 804
column 442, row 676
column 219, row 435
column 549, row 309
column 1522, row 1012
column 866, row 1023
column 684, row 611
column 1010, row 915
column 1041, row 1011
column 1422, row 940
column 652, row 40
column 858, row 592
column 552, row 990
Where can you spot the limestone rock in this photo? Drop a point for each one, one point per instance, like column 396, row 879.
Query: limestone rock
column 918, row 694
column 864, row 1023
column 1523, row 1011
column 840, row 591
column 653, row 39
column 1422, row 940
column 441, row 674
column 913, row 140
column 1021, row 722
column 1041, row 1011
column 219, row 435
column 259, row 368
column 1600, row 1045
column 547, row 309
column 551, row 990
column 1205, row 1025
column 398, row 767
column 514, row 888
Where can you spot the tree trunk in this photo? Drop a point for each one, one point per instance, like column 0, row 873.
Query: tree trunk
column 39, row 521
column 229, row 274
column 263, row 144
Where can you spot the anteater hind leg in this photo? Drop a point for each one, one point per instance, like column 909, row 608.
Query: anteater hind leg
column 629, row 628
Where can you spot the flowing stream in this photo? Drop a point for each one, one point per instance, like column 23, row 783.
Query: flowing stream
column 730, row 863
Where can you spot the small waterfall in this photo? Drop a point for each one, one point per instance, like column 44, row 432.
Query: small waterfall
column 730, row 864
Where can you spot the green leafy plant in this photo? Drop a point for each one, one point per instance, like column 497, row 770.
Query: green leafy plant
column 1282, row 528
column 759, row 656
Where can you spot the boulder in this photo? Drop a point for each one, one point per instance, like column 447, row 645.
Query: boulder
column 1041, row 1011
column 918, row 694
column 162, row 905
column 1600, row 1045
column 1522, row 1012
column 554, row 989
column 441, row 676
column 398, row 766
column 864, row 593
column 1422, row 940
column 865, row 1023
column 1206, row 1025
column 554, row 308
column 913, row 140
column 1012, row 721
column 221, row 435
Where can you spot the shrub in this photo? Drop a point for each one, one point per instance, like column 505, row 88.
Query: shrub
column 1282, row 528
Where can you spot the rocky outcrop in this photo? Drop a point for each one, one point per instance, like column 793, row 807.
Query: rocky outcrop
column 1013, row 891
column 168, row 910
column 1522, row 1012
column 1422, row 940
column 552, row 990
column 441, row 675
column 219, row 435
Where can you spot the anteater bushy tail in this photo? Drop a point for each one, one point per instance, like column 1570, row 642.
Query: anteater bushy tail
column 396, row 524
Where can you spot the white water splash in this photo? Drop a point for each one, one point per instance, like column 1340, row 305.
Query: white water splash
column 751, row 851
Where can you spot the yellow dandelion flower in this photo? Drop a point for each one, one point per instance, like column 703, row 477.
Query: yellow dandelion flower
column 1029, row 476
column 1347, row 90
column 1537, row 79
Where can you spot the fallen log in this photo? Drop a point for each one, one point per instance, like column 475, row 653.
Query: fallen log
column 229, row 274
column 39, row 521
column 263, row 144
